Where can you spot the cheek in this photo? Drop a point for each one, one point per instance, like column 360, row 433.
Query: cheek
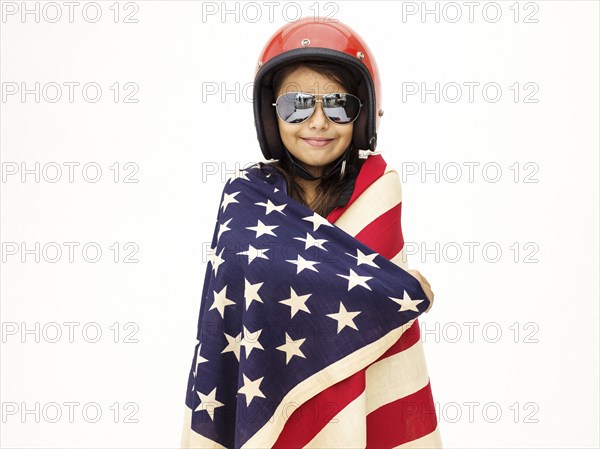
column 286, row 132
column 346, row 134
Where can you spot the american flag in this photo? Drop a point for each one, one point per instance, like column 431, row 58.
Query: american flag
column 308, row 333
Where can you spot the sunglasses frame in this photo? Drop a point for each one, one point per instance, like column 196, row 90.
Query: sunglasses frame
column 361, row 104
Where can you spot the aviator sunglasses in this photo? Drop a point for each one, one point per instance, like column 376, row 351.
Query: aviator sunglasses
column 297, row 107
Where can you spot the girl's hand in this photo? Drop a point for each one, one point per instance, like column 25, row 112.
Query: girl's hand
column 424, row 285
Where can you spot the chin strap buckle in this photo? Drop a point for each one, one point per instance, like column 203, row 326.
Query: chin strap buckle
column 364, row 154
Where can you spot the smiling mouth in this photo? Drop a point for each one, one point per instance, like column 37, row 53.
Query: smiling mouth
column 318, row 142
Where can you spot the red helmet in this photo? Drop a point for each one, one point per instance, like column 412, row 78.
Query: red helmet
column 316, row 38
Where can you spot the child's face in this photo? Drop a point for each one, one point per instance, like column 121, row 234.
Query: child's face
column 296, row 137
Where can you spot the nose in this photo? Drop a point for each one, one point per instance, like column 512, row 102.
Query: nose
column 318, row 120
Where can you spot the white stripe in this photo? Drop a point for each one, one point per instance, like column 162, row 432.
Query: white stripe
column 378, row 198
column 346, row 430
column 431, row 440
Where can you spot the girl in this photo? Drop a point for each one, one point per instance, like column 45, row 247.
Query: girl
column 317, row 109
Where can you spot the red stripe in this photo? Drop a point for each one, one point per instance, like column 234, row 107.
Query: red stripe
column 384, row 234
column 401, row 421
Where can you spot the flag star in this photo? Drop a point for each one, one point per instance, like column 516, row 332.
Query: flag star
column 344, row 318
column 406, row 303
column 221, row 301
column 253, row 253
column 296, row 302
column 364, row 258
column 270, row 207
column 251, row 292
column 216, row 260
column 251, row 389
column 355, row 279
column 228, row 199
column 262, row 228
column 239, row 173
column 291, row 348
column 311, row 241
column 250, row 341
column 317, row 220
column 223, row 227
column 275, row 190
column 209, row 403
column 233, row 345
column 301, row 264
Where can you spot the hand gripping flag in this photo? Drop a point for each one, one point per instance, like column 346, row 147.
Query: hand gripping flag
column 291, row 306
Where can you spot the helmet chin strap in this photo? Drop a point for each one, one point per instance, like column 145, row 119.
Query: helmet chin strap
column 304, row 173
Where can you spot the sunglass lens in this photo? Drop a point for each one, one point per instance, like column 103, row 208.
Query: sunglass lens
column 341, row 108
column 295, row 107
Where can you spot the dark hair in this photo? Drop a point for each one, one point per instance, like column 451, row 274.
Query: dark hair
column 331, row 192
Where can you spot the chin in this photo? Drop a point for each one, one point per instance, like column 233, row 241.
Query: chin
column 322, row 160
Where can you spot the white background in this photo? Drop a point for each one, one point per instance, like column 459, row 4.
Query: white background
column 177, row 139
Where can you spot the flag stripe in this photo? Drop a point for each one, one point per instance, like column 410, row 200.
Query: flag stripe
column 401, row 421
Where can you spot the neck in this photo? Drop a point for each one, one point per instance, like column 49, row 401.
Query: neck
column 309, row 187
